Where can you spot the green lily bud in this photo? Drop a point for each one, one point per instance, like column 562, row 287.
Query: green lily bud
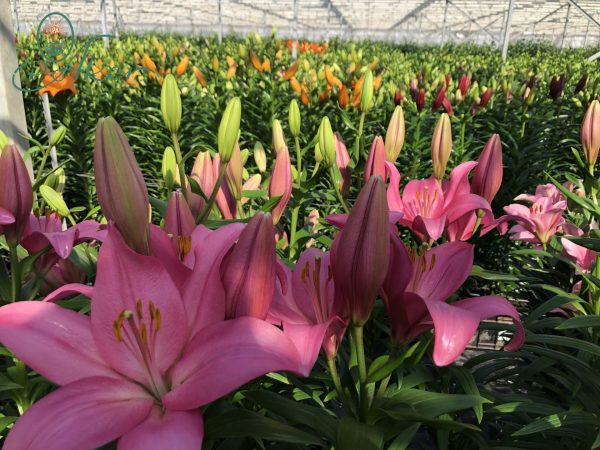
column 54, row 200
column 245, row 154
column 366, row 98
column 318, row 153
column 169, row 168
column 58, row 135
column 3, row 140
column 278, row 137
column 294, row 118
column 260, row 157
column 229, row 129
column 394, row 137
column 327, row 142
column 170, row 103
column 56, row 180
column 441, row 146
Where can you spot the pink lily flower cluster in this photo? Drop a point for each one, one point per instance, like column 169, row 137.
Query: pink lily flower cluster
column 543, row 219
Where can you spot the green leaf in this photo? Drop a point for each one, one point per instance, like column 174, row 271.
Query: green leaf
column 159, row 205
column 405, row 438
column 429, row 404
column 270, row 204
column 469, row 385
column 480, row 272
column 243, row 423
column 555, row 421
column 297, row 413
column 584, row 203
column 525, row 407
column 564, row 341
column 384, row 365
column 591, row 321
column 257, row 193
column 5, row 421
column 353, row 435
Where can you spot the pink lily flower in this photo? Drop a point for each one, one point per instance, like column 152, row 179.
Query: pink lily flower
column 580, row 255
column 47, row 229
column 545, row 191
column 429, row 207
column 311, row 300
column 151, row 353
column 281, row 182
column 538, row 223
column 415, row 292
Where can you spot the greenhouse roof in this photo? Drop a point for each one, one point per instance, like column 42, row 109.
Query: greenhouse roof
column 563, row 22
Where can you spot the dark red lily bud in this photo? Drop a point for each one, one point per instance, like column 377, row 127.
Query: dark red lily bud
column 447, row 106
column 557, row 86
column 420, row 100
column 398, row 97
column 581, row 83
column 414, row 89
column 439, row 99
column 448, row 79
column 464, row 84
column 485, row 98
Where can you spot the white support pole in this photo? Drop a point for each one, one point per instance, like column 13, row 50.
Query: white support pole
column 587, row 30
column 103, row 22
column 16, row 14
column 444, row 23
column 295, row 43
column 116, row 17
column 507, row 25
column 49, row 128
column 12, row 111
column 220, row 22
column 562, row 39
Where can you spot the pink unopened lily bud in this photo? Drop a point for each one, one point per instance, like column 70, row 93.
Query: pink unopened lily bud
column 342, row 159
column 441, row 146
column 234, row 173
column 485, row 97
column 120, row 186
column 359, row 254
column 16, row 196
column 179, row 224
column 202, row 173
column 375, row 165
column 394, row 137
column 439, row 99
column 281, row 182
column 248, row 270
column 487, row 177
column 590, row 133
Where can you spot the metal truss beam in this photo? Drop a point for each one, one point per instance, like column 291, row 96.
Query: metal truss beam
column 472, row 20
column 412, row 13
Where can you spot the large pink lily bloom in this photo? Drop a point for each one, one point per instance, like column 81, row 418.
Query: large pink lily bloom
column 429, row 207
column 545, row 191
column 415, row 293
column 149, row 355
column 311, row 300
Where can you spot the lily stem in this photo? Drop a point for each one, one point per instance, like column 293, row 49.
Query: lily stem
column 211, row 200
column 180, row 164
column 362, row 371
column 358, row 136
column 15, row 273
column 298, row 160
column 335, row 376
column 294, row 224
column 42, row 164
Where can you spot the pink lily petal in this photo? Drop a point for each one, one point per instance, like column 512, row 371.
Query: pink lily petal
column 307, row 339
column 162, row 249
column 467, row 203
column 224, row 356
column 6, row 217
column 54, row 341
column 85, row 414
column 490, row 306
column 453, row 329
column 181, row 430
column 203, row 293
column 429, row 229
column 459, row 182
column 287, row 308
column 129, row 281
column 90, row 230
column 393, row 190
column 583, row 257
column 68, row 290
column 442, row 270
column 399, row 268
column 252, row 184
